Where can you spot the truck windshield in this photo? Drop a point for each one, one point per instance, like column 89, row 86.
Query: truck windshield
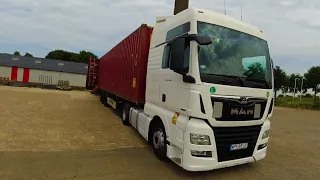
column 234, row 58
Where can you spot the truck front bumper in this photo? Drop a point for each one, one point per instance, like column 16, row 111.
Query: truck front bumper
column 191, row 162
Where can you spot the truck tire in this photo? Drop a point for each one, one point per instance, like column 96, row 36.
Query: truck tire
column 125, row 114
column 101, row 97
column 105, row 101
column 159, row 139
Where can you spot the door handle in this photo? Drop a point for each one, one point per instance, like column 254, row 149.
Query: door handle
column 163, row 98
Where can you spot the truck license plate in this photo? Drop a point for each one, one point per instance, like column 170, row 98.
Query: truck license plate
column 238, row 146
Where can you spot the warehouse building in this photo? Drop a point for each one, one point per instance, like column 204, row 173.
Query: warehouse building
column 43, row 71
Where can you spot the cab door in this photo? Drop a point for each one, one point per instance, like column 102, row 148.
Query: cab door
column 174, row 92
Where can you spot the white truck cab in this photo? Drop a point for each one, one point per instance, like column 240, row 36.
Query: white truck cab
column 209, row 91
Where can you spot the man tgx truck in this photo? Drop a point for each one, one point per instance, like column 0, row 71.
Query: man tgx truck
column 198, row 86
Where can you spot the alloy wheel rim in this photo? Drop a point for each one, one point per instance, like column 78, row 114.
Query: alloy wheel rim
column 158, row 139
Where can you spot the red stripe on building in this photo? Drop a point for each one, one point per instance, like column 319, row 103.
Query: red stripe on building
column 14, row 73
column 26, row 75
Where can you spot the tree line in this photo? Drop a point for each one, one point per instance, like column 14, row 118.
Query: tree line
column 283, row 81
column 287, row 82
column 81, row 57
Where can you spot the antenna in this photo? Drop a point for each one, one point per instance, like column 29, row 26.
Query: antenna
column 241, row 12
column 225, row 11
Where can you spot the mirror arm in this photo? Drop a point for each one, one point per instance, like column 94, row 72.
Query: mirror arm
column 188, row 79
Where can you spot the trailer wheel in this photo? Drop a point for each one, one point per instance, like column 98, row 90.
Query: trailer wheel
column 159, row 139
column 101, row 97
column 125, row 114
column 105, row 101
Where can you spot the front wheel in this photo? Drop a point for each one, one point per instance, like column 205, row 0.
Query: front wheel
column 159, row 141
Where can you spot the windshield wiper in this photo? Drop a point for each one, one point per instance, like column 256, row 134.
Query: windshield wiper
column 229, row 76
column 258, row 81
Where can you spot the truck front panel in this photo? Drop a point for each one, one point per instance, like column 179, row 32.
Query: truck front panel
column 218, row 153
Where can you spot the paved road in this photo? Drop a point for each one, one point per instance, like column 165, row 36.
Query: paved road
column 90, row 149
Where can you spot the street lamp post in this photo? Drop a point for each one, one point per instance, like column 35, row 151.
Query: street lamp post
column 301, row 87
column 295, row 86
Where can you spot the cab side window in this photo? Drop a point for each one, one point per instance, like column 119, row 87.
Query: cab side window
column 166, row 58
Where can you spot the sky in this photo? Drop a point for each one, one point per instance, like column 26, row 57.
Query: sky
column 39, row 26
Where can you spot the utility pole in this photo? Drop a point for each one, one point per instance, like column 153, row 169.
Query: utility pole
column 180, row 5
column 303, row 78
column 225, row 11
column 241, row 12
column 295, row 87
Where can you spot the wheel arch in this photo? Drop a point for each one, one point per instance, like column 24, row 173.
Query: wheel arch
column 155, row 120
column 156, row 114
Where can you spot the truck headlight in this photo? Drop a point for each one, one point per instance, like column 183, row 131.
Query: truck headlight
column 199, row 139
column 265, row 134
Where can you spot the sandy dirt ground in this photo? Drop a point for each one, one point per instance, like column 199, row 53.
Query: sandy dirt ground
column 41, row 120
column 47, row 134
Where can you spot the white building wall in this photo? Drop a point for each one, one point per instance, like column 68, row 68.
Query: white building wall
column 78, row 80
column 53, row 77
column 5, row 71
column 20, row 74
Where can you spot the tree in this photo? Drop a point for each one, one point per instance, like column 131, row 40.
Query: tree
column 291, row 83
column 16, row 53
column 28, row 55
column 280, row 80
column 82, row 57
column 256, row 70
column 313, row 78
column 59, row 55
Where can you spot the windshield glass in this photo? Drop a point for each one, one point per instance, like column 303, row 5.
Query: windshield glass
column 233, row 54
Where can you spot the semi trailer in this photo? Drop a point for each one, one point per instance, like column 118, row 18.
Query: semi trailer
column 198, row 86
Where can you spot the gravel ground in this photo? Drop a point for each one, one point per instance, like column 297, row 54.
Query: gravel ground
column 46, row 134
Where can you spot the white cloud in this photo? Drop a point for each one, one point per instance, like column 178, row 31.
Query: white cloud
column 287, row 3
column 291, row 26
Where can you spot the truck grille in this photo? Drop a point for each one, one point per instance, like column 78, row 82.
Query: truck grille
column 235, row 110
column 226, row 136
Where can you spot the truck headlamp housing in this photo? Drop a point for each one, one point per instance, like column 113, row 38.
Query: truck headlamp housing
column 265, row 134
column 199, row 139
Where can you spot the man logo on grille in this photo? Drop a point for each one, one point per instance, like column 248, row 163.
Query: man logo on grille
column 240, row 111
column 243, row 100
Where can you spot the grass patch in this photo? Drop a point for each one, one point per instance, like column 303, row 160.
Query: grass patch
column 306, row 102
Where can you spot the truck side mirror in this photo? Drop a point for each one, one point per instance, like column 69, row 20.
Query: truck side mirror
column 200, row 39
column 203, row 40
column 177, row 54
